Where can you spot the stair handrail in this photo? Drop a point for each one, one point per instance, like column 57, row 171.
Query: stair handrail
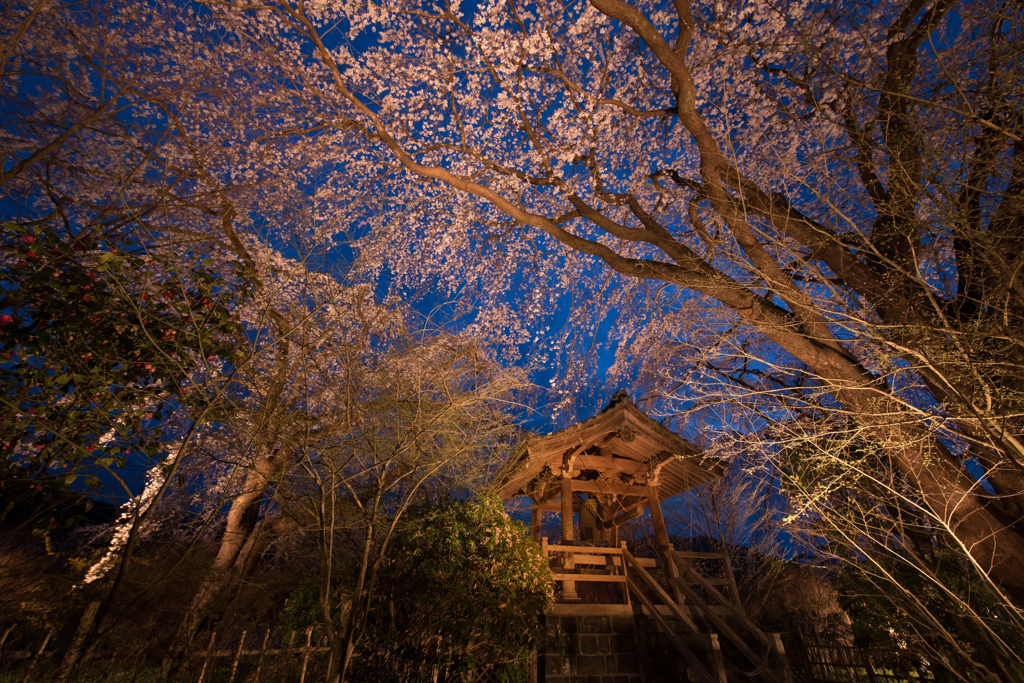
column 741, row 616
column 694, row 600
column 691, row 658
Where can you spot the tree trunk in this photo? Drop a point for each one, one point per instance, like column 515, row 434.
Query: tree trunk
column 359, row 604
column 242, row 518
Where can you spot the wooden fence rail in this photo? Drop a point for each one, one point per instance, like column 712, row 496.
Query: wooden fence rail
column 251, row 659
column 261, row 656
column 819, row 660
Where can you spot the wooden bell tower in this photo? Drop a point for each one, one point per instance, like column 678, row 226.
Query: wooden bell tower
column 621, row 459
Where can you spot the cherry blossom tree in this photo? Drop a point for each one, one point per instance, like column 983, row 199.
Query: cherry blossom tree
column 801, row 218
column 124, row 155
column 293, row 388
column 838, row 183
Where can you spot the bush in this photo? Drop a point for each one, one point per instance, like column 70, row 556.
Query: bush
column 464, row 587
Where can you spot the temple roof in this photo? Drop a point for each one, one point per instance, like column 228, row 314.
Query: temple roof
column 619, row 451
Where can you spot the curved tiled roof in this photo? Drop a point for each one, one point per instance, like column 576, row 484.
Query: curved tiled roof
column 614, row 452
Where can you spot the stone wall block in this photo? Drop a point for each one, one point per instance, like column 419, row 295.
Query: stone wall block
column 628, row 663
column 595, row 625
column 622, row 624
column 623, row 643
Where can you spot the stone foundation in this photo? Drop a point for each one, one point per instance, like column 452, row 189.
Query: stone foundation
column 597, row 649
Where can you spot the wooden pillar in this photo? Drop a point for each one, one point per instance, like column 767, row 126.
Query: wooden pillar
column 660, row 530
column 535, row 519
column 568, row 538
column 718, row 659
column 663, row 542
column 782, row 661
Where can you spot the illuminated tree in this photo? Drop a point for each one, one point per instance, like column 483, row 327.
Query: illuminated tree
column 808, row 213
column 424, row 422
column 838, row 183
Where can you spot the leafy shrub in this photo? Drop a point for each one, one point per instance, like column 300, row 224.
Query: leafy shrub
column 464, row 587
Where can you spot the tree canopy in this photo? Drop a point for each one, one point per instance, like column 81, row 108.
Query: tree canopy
column 830, row 192
column 796, row 225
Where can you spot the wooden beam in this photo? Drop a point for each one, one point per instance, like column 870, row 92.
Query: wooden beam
column 610, row 488
column 652, row 467
column 568, row 537
column 609, row 463
column 658, row 520
column 619, row 520
column 662, row 540
column 535, row 519
column 548, row 494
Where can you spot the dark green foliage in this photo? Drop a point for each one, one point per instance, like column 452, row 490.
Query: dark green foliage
column 940, row 611
column 463, row 588
column 302, row 608
column 98, row 342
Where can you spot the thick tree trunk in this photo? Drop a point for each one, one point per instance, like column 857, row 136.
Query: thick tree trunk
column 798, row 325
column 242, row 517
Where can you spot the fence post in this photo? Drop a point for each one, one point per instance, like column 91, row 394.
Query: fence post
column 870, row 667
column 263, row 652
column 716, row 656
column 286, row 662
column 38, row 654
column 209, row 654
column 238, row 654
column 330, row 655
column 779, row 651
column 305, row 654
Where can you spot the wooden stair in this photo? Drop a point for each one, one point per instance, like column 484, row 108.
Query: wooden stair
column 743, row 638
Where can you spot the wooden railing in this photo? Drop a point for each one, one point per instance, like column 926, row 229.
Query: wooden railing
column 648, row 580
column 588, row 563
column 718, row 609
column 253, row 657
column 572, row 563
column 822, row 660
column 685, row 595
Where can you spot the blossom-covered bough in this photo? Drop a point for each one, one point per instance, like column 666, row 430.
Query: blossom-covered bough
column 146, row 297
column 804, row 218
column 837, row 184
